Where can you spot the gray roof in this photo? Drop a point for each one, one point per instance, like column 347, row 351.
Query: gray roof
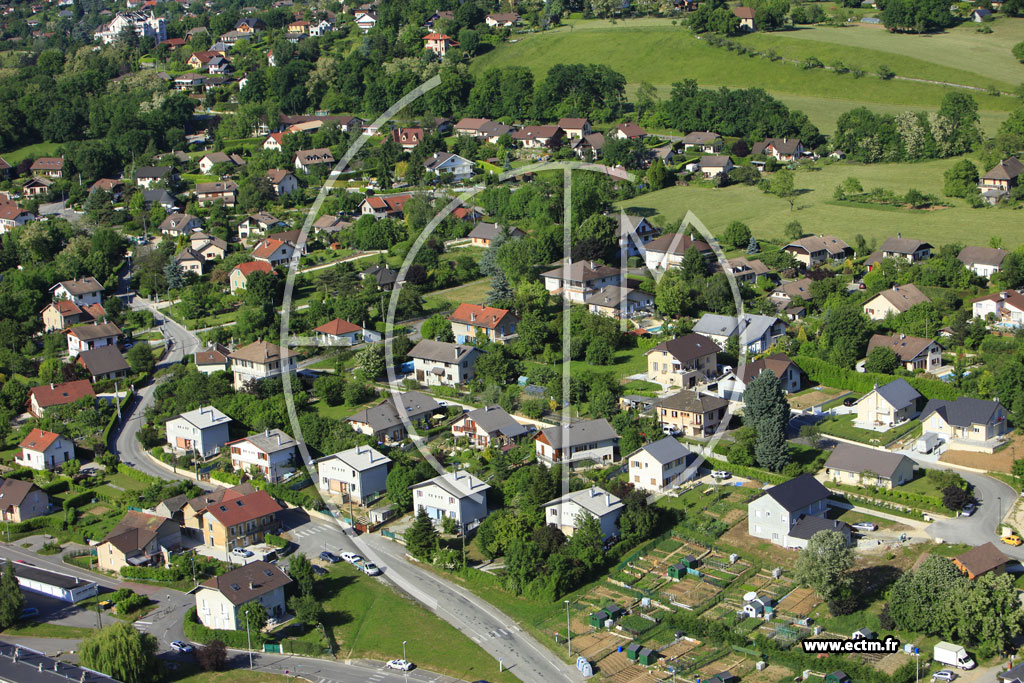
column 360, row 458
column 799, row 492
column 488, row 231
column 753, row 326
column 987, row 256
column 458, row 484
column 808, row 525
column 95, row 331
column 688, row 347
column 496, row 419
column 445, row 352
column 700, row 137
column 849, row 457
column 693, row 402
column 578, row 433
column 204, row 417
column 614, row 296
column 963, row 412
column 898, row 393
column 594, row 500
column 270, row 441
column 666, row 450
column 103, row 360
column 385, row 415
column 903, row 245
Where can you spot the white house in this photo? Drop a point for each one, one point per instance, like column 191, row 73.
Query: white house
column 983, row 261
column 576, row 280
column 732, row 385
column 668, row 250
column 82, row 292
column 144, row 25
column 662, row 465
column 42, row 450
column 271, row 452
column 576, row 443
column 259, row 360
column 438, row 363
column 776, row 515
column 457, row 495
column 634, row 234
column 338, row 332
column 358, row 473
column 274, row 252
column 446, row 162
column 1006, row 308
column 203, row 430
column 87, row 337
column 222, row 600
column 568, row 511
column 756, row 332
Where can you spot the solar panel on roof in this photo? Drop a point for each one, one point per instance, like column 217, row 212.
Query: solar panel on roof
column 235, row 587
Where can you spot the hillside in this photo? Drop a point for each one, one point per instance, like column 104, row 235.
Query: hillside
column 656, row 51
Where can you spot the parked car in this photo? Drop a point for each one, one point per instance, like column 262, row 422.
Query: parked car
column 865, row 526
column 28, row 613
column 370, row 568
column 943, row 675
column 849, row 401
column 351, row 558
column 399, row 665
column 241, row 552
column 318, row 570
column 968, row 510
column 720, row 474
column 1012, row 539
column 669, row 430
column 180, row 646
column 328, row 556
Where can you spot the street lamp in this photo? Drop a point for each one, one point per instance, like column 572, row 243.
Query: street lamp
column 403, row 649
column 248, row 638
column 568, row 628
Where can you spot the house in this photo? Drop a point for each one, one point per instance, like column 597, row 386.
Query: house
column 272, row 452
column 888, row 405
column 338, row 332
column 588, row 147
column 241, row 521
column 11, row 216
column 145, row 176
column 50, row 167
column 298, row 27
column 456, row 495
column 213, row 359
column 967, row 423
column 385, row 276
column 469, row 321
column 983, row 261
column 439, row 363
column 43, row 450
column 106, row 362
column 274, row 142
column 635, row 233
column 22, row 500
column 307, row 159
column 239, row 276
column 915, row 353
column 274, row 252
column 199, row 60
column 225, row 191
column 358, row 474
column 484, row 234
column 489, row 426
column 49, row 395
column 189, row 261
column 320, row 28
column 629, row 131
column 470, row 126
column 743, row 269
column 261, row 221
column 898, row 299
column 757, row 333
column 588, row 442
column 863, row 466
column 221, row 601
column 446, row 162
column 439, row 43
column 575, row 280
column 812, row 252
column 502, row 19
column 668, row 250
column 662, row 465
column 383, row 206
column 202, row 431
column 250, row 25
column 65, row 313
column 189, row 82
column 208, row 248
column 407, row 138
column 388, row 421
column 746, row 17
column 160, row 197
column 194, row 509
column 619, row 302
column 567, row 512
column 666, row 152
column 684, row 361
column 981, row 14
column 1002, row 178
column 692, row 413
column 329, row 224
column 773, row 515
column 114, row 186
column 1005, row 308
column 365, row 20
column 714, row 165
column 781, row 149
column 85, row 337
column 35, row 187
column 981, row 560
column 138, row 539
column 909, row 250
column 180, row 224
column 282, row 181
column 208, row 161
column 732, row 385
column 82, row 292
column 703, row 141
column 538, row 137
column 259, row 360
column 575, row 128
column 808, row 525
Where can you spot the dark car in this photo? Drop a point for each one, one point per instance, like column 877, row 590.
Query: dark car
column 849, row 401
column 318, row 570
column 328, row 556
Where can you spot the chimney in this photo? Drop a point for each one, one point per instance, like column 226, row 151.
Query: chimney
column 252, row 586
column 608, row 500
column 895, row 288
column 278, row 439
column 51, row 386
column 472, row 316
column 593, row 491
column 266, row 432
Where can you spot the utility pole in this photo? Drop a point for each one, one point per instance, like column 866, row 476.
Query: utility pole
column 248, row 638
column 568, row 628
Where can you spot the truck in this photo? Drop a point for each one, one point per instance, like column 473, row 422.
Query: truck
column 953, row 655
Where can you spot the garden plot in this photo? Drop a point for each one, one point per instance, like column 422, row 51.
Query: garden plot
column 690, row 592
column 799, row 603
column 620, row 670
column 681, row 648
column 734, row 663
column 785, row 634
column 596, row 645
column 767, row 585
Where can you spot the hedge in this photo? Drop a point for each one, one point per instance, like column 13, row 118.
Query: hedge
column 195, row 631
column 305, row 497
column 152, row 573
column 303, row 647
column 274, row 540
column 226, row 477
column 77, row 500
column 747, row 472
column 137, row 475
column 906, row 498
column 825, row 373
column 55, row 487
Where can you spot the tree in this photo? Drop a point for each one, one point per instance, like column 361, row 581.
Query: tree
column 989, row 613
column 301, row 571
column 794, row 230
column 737, row 235
column 122, row 652
column 255, row 616
column 783, row 186
column 140, row 358
column 421, row 537
column 437, row 327
column 639, row 520
column 12, row 600
column 307, row 609
column 767, row 411
column 330, row 388
column 825, row 564
column 844, row 333
column 882, row 360
column 213, row 656
column 371, row 362
column 921, row 600
column 955, row 498
column 752, row 246
column 657, row 175
column 1018, row 52
column 961, row 179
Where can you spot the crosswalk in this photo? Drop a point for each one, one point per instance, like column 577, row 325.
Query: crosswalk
column 312, row 530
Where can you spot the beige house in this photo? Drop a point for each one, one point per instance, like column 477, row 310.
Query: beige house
column 21, row 500
column 469, row 320
column 239, row 278
column 139, row 538
column 684, row 361
column 388, row 423
column 888, row 406
column 439, row 363
column 815, row 251
column 898, row 299
column 662, row 465
column 259, row 360
column 222, row 600
column 692, row 413
column 915, row 353
column 967, row 423
column 863, row 466
column 566, row 512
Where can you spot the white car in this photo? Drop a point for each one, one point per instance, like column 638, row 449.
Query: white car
column 370, row 568
column 241, row 552
column 399, row 665
column 669, row 430
column 721, row 474
column 944, row 675
column 180, row 646
column 351, row 558
column 865, row 526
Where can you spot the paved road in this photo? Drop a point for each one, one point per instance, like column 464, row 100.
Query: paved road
column 495, row 632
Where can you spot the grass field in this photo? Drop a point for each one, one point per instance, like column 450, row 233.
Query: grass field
column 767, row 215
column 40, row 149
column 655, row 51
column 474, row 292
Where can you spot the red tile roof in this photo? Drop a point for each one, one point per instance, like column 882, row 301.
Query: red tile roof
column 39, row 440
column 55, row 395
column 267, row 247
column 475, row 314
column 338, row 326
column 244, row 509
column 251, row 267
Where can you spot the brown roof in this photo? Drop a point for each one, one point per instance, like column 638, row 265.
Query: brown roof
column 1007, row 169
column 778, row 363
column 337, row 326
column 248, row 582
column 47, row 164
column 13, row 492
column 688, row 347
column 982, row 559
column 833, row 245
column 631, row 129
column 244, row 509
column 906, row 348
column 59, row 394
column 135, row 531
column 693, row 402
column 581, row 271
column 903, row 245
column 86, row 285
column 276, row 175
column 567, row 124
column 903, row 297
column 743, row 12
column 267, row 247
column 482, row 316
column 205, row 500
column 97, row 331
column 797, row 289
column 217, row 187
column 39, row 440
column 103, row 360
column 250, row 267
column 215, row 355
column 258, row 352
column 674, row 243
column 1011, row 297
column 11, row 212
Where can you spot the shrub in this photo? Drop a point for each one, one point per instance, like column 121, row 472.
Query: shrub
column 194, row 630
column 274, row 540
column 885, row 73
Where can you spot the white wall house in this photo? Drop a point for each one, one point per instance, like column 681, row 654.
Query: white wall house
column 358, row 473
column 577, row 443
column 88, row 337
column 567, row 512
column 259, row 360
column 203, row 430
column 458, row 495
column 42, row 450
column 439, row 363
column 272, row 452
column 662, row 465
column 83, row 292
column 221, row 601
column 773, row 515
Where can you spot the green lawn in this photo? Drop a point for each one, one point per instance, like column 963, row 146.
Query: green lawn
column 655, row 51
column 768, row 215
column 125, row 482
column 40, row 149
column 474, row 292
column 46, row 630
column 336, row 412
column 924, row 486
column 235, row 676
column 842, row 426
column 370, row 619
